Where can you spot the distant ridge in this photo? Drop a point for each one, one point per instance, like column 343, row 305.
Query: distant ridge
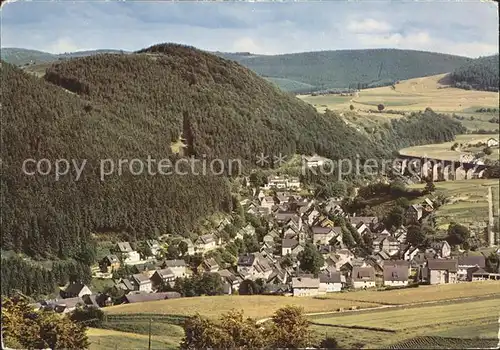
column 306, row 72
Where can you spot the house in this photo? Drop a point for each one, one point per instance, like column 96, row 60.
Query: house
column 305, row 286
column 362, row 228
column 142, row 283
column 293, row 183
column 231, row 281
column 395, row 275
column 161, row 277
column 414, row 213
column 144, row 297
column 124, row 284
column 322, row 235
column 491, row 142
column 290, row 246
column 109, row 263
column 400, row 234
column 129, row 256
column 363, row 277
column 177, row 266
column 479, row 274
column 74, row 290
column 278, row 276
column 67, row 305
column 311, row 216
column 330, row 282
column 209, row 265
column 271, row 237
column 267, row 202
column 467, row 262
column 442, row 248
column 154, row 246
column 206, row 243
column 369, row 221
column 254, row 266
column 440, row 271
column 410, row 253
column 390, row 245
column 314, row 161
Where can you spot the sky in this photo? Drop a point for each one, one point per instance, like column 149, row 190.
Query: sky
column 468, row 28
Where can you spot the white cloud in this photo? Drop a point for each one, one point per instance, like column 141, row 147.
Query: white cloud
column 247, row 44
column 63, row 45
column 368, row 26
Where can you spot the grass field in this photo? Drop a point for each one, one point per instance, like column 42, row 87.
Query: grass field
column 111, row 339
column 443, row 150
column 256, row 306
column 460, row 319
column 467, row 200
column 411, row 95
column 261, row 306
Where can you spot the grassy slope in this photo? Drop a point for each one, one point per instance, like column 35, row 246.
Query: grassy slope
column 112, row 339
column 399, row 324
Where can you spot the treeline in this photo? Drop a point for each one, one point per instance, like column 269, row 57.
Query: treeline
column 479, row 74
column 33, row 279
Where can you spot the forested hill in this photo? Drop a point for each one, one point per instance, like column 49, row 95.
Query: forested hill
column 479, row 74
column 347, row 68
column 43, row 217
column 134, row 107
column 222, row 109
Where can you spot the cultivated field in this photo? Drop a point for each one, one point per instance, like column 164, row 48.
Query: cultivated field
column 468, row 201
column 410, row 95
column 380, row 328
column 261, row 306
column 443, row 150
column 256, row 306
column 422, row 293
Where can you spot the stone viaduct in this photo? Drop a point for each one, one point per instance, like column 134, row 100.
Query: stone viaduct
column 438, row 169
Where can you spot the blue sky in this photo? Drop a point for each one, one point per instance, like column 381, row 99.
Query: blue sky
column 462, row 28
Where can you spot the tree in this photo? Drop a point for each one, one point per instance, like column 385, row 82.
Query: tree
column 248, row 287
column 430, row 187
column 89, row 316
column 351, row 107
column 415, row 236
column 380, row 107
column 310, row 259
column 395, row 218
column 457, row 234
column 183, row 248
column 244, row 333
column 21, row 325
column 210, row 284
column 290, row 328
column 493, row 263
column 329, row 343
column 201, row 333
column 488, row 151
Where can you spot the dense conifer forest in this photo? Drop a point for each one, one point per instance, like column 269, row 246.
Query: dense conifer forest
column 348, row 68
column 479, row 74
column 135, row 106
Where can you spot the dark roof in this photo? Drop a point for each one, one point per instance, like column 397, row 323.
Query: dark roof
column 210, row 262
column 289, row 243
column 175, row 263
column 443, row 264
column 165, row 273
column 246, row 260
column 332, row 277
column 112, row 258
column 74, row 289
column 141, row 278
column 125, row 284
column 124, row 247
column 354, row 220
column 395, row 273
column 363, row 273
column 142, row 297
column 321, row 230
column 477, row 260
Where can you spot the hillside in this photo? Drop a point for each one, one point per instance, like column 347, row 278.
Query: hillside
column 350, row 68
column 479, row 74
column 222, row 109
column 44, row 217
column 21, row 57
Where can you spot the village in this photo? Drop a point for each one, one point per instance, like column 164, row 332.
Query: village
column 282, row 259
